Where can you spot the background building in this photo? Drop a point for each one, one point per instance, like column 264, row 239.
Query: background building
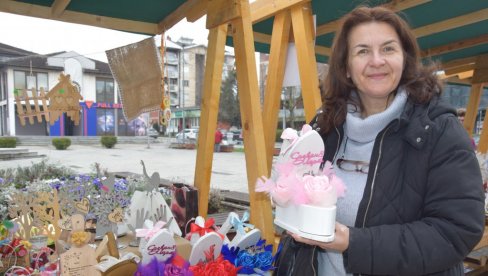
column 184, row 70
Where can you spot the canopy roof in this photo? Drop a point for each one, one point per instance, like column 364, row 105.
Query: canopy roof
column 451, row 31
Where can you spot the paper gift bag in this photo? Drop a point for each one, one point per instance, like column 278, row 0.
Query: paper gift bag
column 184, row 204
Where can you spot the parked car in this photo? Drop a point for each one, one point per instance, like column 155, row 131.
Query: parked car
column 190, row 133
column 237, row 135
column 151, row 132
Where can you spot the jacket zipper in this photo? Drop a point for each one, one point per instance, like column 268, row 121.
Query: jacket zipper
column 313, row 257
column 374, row 176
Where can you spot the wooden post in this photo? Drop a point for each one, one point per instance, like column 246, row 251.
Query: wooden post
column 483, row 142
column 472, row 108
column 274, row 82
column 208, row 119
column 251, row 118
column 303, row 32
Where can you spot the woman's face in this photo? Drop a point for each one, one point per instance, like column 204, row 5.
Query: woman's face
column 375, row 61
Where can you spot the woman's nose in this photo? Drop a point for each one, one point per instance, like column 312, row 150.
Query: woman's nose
column 377, row 59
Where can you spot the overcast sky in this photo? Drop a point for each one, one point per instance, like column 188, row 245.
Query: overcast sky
column 48, row 36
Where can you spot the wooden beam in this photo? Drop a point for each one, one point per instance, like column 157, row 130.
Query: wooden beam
column 459, row 69
column 466, row 75
column 252, row 122
column 456, row 80
column 458, row 62
column 191, row 9
column 209, row 111
column 274, row 80
column 58, row 7
column 481, row 69
column 78, row 17
column 472, row 108
column 452, row 23
column 302, row 21
column 264, row 9
column 458, row 45
column 223, row 11
column 332, row 26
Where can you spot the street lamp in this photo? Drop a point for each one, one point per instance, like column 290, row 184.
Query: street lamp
column 183, row 88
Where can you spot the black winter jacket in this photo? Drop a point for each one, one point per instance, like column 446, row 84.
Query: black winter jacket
column 422, row 210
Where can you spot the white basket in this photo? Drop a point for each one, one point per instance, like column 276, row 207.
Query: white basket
column 312, row 222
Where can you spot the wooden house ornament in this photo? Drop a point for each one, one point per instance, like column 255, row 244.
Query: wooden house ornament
column 23, row 103
column 64, row 97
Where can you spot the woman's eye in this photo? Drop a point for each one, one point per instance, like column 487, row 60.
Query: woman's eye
column 388, row 49
column 362, row 52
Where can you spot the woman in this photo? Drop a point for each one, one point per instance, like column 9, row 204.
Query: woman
column 414, row 203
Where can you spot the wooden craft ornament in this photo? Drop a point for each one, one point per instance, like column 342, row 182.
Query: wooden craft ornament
column 22, row 99
column 83, row 205
column 113, row 264
column 35, row 212
column 117, row 216
column 80, row 259
column 64, row 97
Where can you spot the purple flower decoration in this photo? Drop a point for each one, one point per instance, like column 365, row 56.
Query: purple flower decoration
column 166, row 268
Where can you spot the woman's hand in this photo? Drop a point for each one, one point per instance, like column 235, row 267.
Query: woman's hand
column 340, row 242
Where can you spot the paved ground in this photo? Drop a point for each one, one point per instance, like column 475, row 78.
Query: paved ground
column 228, row 173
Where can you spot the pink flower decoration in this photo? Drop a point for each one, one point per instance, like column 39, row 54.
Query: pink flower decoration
column 319, row 190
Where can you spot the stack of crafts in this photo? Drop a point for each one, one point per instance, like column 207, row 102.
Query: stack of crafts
column 75, row 225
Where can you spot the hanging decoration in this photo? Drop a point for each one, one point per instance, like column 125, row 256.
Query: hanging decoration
column 23, row 102
column 64, row 97
column 136, row 69
column 165, row 113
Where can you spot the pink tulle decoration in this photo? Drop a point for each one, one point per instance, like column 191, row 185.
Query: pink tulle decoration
column 296, row 183
column 293, row 188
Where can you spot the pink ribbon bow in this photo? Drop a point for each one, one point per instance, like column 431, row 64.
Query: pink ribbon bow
column 149, row 233
column 292, row 136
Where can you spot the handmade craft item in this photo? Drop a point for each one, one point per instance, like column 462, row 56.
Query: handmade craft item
column 156, row 241
column 113, row 264
column 200, row 227
column 210, row 242
column 35, row 212
column 150, row 200
column 137, row 70
column 22, row 99
column 80, row 259
column 305, row 193
column 246, row 234
column 64, row 97
column 256, row 259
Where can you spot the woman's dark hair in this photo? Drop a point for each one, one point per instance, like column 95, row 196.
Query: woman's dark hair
column 420, row 81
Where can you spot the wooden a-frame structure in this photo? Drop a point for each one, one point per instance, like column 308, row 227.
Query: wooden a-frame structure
column 463, row 58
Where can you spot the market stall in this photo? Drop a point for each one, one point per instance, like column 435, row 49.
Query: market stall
column 451, row 33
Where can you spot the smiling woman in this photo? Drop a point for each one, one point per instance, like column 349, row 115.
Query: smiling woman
column 413, row 183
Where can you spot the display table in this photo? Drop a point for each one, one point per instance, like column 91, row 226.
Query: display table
column 475, row 262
